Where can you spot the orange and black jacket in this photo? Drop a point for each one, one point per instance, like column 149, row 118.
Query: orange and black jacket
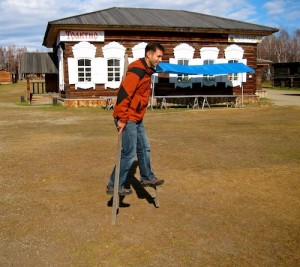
column 134, row 92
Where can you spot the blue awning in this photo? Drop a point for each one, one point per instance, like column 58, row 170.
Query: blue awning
column 209, row 69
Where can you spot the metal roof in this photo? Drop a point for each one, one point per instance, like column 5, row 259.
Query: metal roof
column 162, row 19
column 37, row 63
column 118, row 16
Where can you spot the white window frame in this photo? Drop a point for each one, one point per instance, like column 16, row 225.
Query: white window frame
column 233, row 76
column 86, row 50
column 138, row 51
column 209, row 54
column 185, row 62
column 209, row 79
column 235, row 53
column 84, row 70
column 60, row 55
column 113, row 69
column 81, row 51
column 196, row 78
column 114, row 50
column 182, row 52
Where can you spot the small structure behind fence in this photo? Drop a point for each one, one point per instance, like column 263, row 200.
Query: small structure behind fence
column 38, row 67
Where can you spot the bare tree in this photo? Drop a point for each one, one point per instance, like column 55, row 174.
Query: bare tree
column 10, row 59
column 296, row 46
column 281, row 47
column 2, row 57
column 265, row 49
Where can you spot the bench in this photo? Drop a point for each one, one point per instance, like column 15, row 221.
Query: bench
column 195, row 101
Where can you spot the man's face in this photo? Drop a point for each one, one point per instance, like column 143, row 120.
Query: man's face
column 154, row 57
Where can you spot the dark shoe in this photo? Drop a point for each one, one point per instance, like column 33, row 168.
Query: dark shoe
column 121, row 191
column 152, row 182
column 121, row 203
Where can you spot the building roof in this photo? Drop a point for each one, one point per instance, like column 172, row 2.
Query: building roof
column 37, row 63
column 154, row 19
column 264, row 62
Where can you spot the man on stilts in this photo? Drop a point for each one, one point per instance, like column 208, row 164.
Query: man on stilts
column 132, row 101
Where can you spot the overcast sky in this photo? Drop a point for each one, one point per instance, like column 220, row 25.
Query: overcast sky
column 23, row 22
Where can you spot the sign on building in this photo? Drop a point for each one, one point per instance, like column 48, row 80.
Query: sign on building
column 234, row 38
column 79, row 36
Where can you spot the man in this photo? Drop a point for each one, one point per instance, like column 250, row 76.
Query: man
column 132, row 101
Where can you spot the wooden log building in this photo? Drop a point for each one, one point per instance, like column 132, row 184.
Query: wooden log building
column 286, row 74
column 41, row 74
column 5, row 76
column 91, row 49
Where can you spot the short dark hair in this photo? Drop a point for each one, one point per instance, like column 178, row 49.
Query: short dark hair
column 153, row 47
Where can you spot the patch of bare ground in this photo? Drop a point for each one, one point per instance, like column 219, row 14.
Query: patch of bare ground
column 230, row 198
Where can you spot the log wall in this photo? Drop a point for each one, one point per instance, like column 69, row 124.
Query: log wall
column 169, row 41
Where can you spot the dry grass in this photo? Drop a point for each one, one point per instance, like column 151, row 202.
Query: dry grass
column 231, row 196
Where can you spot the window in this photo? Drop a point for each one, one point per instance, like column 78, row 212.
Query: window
column 234, row 54
column 208, row 78
column 183, row 61
column 209, row 55
column 113, row 70
column 182, row 77
column 114, row 55
column 183, row 53
column 233, row 76
column 84, row 70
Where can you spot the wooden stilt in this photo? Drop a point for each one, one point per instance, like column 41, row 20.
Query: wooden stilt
column 116, row 197
column 156, row 201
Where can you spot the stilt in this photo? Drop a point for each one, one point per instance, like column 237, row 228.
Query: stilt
column 155, row 196
column 116, row 197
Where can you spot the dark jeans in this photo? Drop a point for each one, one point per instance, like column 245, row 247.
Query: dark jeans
column 134, row 142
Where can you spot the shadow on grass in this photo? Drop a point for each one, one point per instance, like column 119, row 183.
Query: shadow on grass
column 122, row 204
column 141, row 192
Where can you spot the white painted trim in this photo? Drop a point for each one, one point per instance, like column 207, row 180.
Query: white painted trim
column 61, row 79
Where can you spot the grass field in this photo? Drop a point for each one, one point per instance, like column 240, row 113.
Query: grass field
column 231, row 195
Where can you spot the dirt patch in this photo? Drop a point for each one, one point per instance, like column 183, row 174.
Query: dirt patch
column 231, row 196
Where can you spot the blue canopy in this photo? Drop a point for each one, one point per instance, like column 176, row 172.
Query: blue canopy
column 209, row 69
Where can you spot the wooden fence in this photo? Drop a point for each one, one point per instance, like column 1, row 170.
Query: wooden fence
column 35, row 87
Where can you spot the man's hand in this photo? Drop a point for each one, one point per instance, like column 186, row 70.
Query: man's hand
column 121, row 126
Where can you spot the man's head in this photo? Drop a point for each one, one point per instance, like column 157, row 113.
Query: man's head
column 153, row 54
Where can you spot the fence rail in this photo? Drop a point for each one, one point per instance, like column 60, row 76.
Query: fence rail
column 35, row 86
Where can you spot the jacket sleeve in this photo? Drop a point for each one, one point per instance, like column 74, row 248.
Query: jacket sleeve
column 125, row 94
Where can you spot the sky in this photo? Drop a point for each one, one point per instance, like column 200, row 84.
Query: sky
column 23, row 23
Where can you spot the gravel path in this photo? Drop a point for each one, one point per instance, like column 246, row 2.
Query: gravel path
column 284, row 97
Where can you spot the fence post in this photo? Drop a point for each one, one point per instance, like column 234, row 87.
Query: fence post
column 28, row 89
